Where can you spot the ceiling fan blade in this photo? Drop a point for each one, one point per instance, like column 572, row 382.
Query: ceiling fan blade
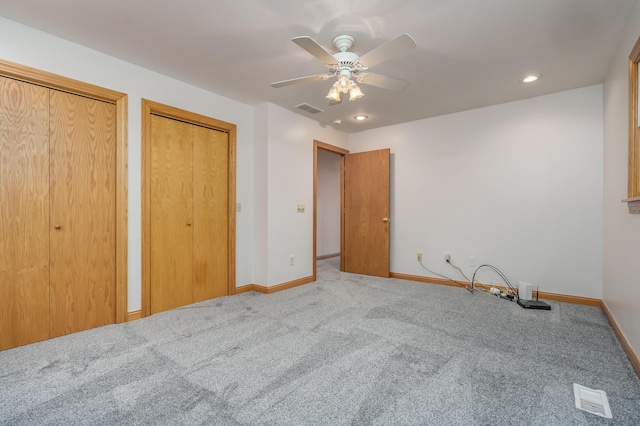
column 311, row 46
column 306, row 79
column 379, row 80
column 393, row 48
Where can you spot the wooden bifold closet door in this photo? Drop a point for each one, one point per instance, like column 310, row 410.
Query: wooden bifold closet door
column 57, row 213
column 82, row 245
column 189, row 205
column 24, row 213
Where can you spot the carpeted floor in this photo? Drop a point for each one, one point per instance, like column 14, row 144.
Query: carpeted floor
column 346, row 349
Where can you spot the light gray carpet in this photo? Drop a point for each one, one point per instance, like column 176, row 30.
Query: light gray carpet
column 346, row 349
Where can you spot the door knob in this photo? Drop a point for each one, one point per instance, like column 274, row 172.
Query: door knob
column 57, row 226
column 188, row 223
column 385, row 219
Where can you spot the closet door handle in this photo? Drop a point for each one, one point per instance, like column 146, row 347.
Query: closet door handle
column 188, row 223
column 57, row 226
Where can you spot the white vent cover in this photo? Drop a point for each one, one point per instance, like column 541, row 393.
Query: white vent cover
column 309, row 108
column 592, row 401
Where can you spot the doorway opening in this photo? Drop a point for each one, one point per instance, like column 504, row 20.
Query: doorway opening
column 323, row 154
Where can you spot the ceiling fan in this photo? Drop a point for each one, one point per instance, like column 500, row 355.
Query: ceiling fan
column 347, row 66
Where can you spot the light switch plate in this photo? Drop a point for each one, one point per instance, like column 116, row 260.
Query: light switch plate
column 301, row 208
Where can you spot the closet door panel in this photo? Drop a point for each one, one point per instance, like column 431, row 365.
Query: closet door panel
column 24, row 213
column 82, row 254
column 171, row 214
column 210, row 209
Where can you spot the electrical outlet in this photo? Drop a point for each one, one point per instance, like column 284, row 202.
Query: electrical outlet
column 447, row 257
column 419, row 257
column 292, row 259
column 472, row 261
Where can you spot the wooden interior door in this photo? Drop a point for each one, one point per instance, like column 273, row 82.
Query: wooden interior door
column 210, row 209
column 24, row 213
column 82, row 218
column 171, row 214
column 366, row 213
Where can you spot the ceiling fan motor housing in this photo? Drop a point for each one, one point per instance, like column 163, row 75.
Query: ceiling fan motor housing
column 347, row 61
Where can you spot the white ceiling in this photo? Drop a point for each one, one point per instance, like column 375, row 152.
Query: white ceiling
column 470, row 54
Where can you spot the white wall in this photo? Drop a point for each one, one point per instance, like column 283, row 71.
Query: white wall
column 517, row 185
column 261, row 190
column 290, row 182
column 621, row 290
column 27, row 46
column 328, row 209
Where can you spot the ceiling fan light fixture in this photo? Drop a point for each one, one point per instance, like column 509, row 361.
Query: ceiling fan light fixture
column 355, row 92
column 344, row 84
column 334, row 93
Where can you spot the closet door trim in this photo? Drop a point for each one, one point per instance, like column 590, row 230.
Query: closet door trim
column 54, row 81
column 154, row 108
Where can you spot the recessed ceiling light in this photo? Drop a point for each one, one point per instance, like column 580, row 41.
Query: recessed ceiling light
column 530, row 78
column 361, row 117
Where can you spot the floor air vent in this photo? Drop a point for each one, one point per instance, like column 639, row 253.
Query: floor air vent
column 592, row 401
column 309, row 108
